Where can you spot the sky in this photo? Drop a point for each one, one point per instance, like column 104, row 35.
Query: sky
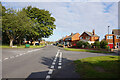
column 76, row 16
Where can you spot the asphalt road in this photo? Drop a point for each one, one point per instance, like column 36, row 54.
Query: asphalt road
column 42, row 63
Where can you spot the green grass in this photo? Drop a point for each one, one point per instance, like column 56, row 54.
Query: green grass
column 98, row 67
column 86, row 50
column 22, row 46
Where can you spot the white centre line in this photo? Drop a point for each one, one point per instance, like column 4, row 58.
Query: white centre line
column 47, row 77
column 11, row 57
column 5, row 58
column 52, row 66
column 59, row 67
column 50, row 71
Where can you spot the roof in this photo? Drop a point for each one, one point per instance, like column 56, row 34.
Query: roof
column 91, row 34
column 70, row 36
column 116, row 31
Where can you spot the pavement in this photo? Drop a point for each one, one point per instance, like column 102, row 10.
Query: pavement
column 45, row 63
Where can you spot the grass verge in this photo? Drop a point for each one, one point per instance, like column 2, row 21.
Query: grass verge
column 85, row 50
column 98, row 67
column 22, row 46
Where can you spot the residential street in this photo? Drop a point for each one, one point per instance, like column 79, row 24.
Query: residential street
column 48, row 62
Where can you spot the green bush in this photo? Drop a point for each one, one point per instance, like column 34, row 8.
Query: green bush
column 97, row 44
column 103, row 44
column 80, row 44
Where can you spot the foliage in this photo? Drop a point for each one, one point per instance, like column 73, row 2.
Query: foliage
column 81, row 44
column 86, row 50
column 103, row 44
column 43, row 22
column 30, row 23
column 97, row 44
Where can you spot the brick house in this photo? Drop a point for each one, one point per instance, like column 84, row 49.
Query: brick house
column 89, row 37
column 71, row 40
column 113, row 39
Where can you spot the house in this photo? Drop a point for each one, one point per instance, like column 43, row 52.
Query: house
column 113, row 39
column 71, row 40
column 61, row 41
column 89, row 37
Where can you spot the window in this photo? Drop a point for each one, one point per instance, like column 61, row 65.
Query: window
column 109, row 37
column 117, row 36
column 87, row 37
column 81, row 37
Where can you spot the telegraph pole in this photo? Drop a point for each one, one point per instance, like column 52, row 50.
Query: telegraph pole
column 108, row 37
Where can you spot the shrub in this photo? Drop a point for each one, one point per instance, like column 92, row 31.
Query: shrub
column 80, row 44
column 97, row 44
column 103, row 44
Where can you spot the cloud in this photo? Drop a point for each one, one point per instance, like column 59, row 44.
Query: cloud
column 77, row 16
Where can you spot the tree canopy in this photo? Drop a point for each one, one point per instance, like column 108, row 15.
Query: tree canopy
column 31, row 22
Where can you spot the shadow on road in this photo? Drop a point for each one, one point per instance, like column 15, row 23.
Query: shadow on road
column 66, row 72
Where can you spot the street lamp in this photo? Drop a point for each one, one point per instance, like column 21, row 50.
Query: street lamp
column 108, row 36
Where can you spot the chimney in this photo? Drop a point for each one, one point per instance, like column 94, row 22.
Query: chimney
column 71, row 33
column 93, row 32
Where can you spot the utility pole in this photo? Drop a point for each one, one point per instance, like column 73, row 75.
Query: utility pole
column 108, row 37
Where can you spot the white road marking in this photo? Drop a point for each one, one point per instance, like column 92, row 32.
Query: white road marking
column 59, row 63
column 50, row 71
column 5, row 58
column 16, row 55
column 52, row 67
column 47, row 77
column 53, row 63
column 20, row 54
column 59, row 67
column 11, row 57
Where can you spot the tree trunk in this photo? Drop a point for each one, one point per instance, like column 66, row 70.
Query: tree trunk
column 34, row 43
column 11, row 42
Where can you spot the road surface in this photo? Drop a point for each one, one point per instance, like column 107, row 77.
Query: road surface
column 41, row 63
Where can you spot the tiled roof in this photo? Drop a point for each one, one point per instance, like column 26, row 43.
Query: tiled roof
column 91, row 34
column 116, row 31
column 70, row 36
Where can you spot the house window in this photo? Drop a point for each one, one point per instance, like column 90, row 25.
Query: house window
column 87, row 37
column 117, row 36
column 81, row 37
column 109, row 37
column 117, row 45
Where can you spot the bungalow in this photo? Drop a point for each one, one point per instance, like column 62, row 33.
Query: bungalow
column 113, row 39
column 71, row 40
column 89, row 37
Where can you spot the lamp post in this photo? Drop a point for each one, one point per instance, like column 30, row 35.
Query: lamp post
column 108, row 37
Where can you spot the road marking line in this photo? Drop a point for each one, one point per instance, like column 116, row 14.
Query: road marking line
column 5, row 58
column 59, row 63
column 47, row 77
column 59, row 67
column 20, row 54
column 50, row 71
column 12, row 57
column 16, row 55
column 52, row 67
column 53, row 63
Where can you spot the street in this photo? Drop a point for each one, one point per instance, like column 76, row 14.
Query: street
column 45, row 63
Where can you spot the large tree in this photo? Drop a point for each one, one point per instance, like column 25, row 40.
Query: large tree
column 43, row 22
column 15, row 24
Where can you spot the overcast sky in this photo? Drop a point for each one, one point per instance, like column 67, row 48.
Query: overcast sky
column 76, row 16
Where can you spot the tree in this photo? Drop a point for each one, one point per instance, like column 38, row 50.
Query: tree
column 97, row 44
column 43, row 22
column 15, row 24
column 103, row 44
